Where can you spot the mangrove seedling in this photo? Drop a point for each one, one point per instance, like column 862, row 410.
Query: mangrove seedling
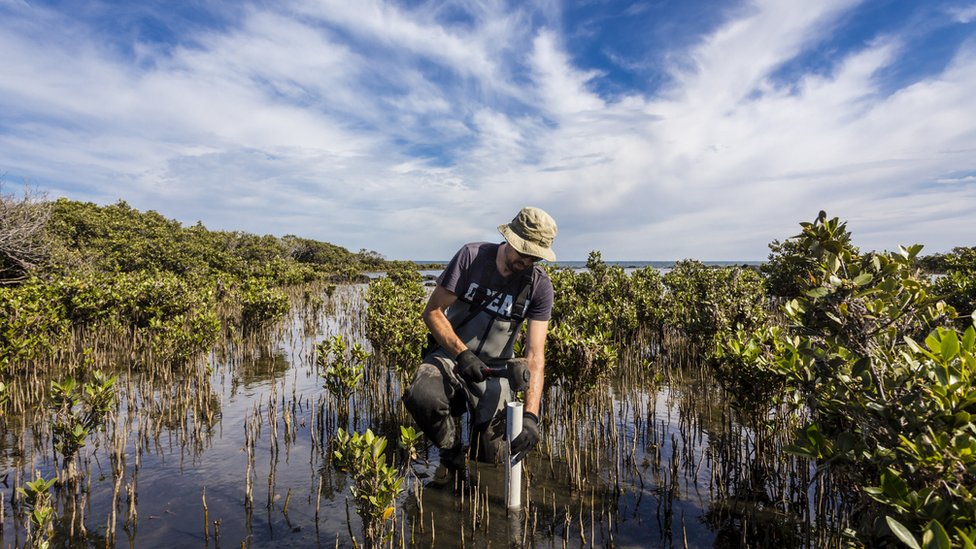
column 375, row 484
column 4, row 396
column 409, row 439
column 79, row 409
column 343, row 368
column 36, row 498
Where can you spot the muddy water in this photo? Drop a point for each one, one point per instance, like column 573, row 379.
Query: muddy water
column 234, row 452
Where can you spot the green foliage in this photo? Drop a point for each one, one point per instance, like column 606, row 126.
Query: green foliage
column 31, row 322
column 594, row 312
column 650, row 301
column 342, row 368
column 37, row 502
column 578, row 359
column 891, row 419
column 409, row 440
column 119, row 238
column 789, row 269
column 958, row 285
column 261, row 304
column 932, row 264
column 597, row 311
column 756, row 368
column 344, row 265
column 175, row 315
column 708, row 304
column 864, row 303
column 913, row 437
column 394, row 323
column 580, row 350
column 375, row 485
column 116, row 269
column 4, row 396
column 79, row 409
column 853, row 305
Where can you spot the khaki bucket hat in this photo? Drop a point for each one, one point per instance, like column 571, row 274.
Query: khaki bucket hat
column 531, row 232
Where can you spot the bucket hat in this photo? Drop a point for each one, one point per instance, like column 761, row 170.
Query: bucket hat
column 531, row 232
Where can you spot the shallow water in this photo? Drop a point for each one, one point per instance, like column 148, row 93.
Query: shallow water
column 653, row 461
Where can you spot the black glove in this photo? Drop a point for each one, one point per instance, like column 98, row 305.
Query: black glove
column 527, row 439
column 470, row 367
column 518, row 374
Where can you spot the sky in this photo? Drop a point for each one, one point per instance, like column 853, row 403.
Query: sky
column 649, row 129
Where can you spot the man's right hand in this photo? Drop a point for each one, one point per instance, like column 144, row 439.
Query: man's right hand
column 470, row 367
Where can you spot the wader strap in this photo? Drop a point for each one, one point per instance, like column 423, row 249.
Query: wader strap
column 522, row 301
column 518, row 308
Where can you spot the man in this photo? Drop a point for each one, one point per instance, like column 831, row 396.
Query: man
column 475, row 315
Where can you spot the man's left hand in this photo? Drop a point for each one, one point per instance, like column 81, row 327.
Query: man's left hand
column 527, row 439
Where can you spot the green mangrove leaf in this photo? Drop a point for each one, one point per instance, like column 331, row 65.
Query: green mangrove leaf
column 918, row 348
column 833, row 263
column 950, row 345
column 862, row 279
column 933, row 342
column 964, row 446
column 801, row 451
column 902, row 533
column 893, row 484
column 914, row 249
column 935, row 536
column 967, row 540
column 817, row 293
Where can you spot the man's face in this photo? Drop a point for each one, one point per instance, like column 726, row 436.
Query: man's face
column 518, row 261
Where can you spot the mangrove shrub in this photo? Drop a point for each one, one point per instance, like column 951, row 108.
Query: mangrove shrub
column 594, row 313
column 394, row 323
column 891, row 419
column 707, row 304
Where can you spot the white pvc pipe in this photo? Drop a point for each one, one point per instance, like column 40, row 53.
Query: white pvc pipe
column 513, row 473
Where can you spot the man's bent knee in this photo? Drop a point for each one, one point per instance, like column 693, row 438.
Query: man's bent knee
column 428, row 399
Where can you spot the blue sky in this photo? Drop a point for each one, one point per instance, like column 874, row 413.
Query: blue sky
column 650, row 130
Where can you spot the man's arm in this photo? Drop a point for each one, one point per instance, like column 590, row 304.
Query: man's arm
column 438, row 324
column 535, row 352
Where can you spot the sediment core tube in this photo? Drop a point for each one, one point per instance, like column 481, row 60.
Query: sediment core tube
column 513, row 473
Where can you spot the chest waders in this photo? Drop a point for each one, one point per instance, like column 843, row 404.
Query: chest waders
column 488, row 323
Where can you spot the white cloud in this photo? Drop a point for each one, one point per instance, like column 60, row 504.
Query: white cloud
column 963, row 14
column 957, row 180
column 562, row 89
